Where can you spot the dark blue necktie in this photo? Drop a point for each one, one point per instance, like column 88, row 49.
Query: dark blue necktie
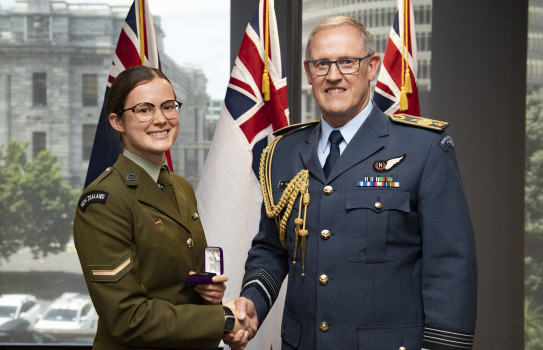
column 335, row 139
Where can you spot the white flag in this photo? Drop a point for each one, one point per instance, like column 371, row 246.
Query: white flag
column 229, row 196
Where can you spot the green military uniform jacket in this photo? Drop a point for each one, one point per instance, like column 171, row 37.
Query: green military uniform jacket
column 136, row 249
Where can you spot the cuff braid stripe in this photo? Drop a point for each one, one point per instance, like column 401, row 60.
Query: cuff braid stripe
column 261, row 290
column 263, row 282
column 437, row 339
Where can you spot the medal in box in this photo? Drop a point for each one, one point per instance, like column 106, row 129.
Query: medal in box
column 213, row 260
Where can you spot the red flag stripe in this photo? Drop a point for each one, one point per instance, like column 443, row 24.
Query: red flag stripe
column 254, row 125
column 241, row 84
column 264, row 116
column 249, row 55
column 126, row 51
column 393, row 61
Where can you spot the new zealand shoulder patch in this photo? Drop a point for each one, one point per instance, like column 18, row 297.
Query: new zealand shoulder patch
column 419, row 121
column 295, row 127
column 92, row 197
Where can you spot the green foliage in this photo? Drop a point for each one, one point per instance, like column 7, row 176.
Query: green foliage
column 533, row 325
column 36, row 207
column 534, row 165
column 533, row 274
column 533, row 305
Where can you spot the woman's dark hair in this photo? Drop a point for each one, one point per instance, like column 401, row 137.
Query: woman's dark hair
column 127, row 81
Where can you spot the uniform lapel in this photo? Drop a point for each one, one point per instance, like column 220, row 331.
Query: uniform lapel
column 365, row 143
column 148, row 192
column 183, row 210
column 310, row 157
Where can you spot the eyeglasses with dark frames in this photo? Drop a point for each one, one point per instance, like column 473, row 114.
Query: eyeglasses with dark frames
column 347, row 65
column 145, row 111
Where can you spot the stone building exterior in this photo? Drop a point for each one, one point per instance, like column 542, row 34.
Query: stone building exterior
column 55, row 59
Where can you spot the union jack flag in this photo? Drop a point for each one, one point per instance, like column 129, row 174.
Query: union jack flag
column 396, row 89
column 244, row 101
column 229, row 196
column 136, row 46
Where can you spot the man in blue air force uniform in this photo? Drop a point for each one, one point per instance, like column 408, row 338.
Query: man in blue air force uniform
column 378, row 247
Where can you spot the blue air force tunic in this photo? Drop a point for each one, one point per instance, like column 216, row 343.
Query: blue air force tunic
column 384, row 257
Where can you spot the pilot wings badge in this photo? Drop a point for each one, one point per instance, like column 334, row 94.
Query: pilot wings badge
column 382, row 166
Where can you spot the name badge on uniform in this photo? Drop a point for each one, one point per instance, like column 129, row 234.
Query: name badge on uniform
column 283, row 184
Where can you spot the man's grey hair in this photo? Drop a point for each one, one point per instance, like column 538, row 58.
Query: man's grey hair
column 338, row 20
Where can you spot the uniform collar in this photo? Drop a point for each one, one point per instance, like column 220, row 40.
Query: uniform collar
column 347, row 131
column 150, row 168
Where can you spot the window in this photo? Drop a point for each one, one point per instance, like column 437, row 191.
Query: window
column 88, row 138
column 39, row 89
column 38, row 27
column 70, row 82
column 27, row 306
column 533, row 292
column 38, row 143
column 85, row 310
column 89, row 89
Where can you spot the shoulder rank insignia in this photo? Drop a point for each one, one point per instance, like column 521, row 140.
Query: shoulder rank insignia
column 419, row 121
column 294, row 127
column 103, row 175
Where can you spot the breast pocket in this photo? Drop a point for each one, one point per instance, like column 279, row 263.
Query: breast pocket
column 370, row 212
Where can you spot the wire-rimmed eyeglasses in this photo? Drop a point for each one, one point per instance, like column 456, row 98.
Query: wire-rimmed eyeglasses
column 145, row 111
column 347, row 65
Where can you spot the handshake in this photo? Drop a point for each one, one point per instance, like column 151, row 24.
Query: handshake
column 243, row 309
column 245, row 326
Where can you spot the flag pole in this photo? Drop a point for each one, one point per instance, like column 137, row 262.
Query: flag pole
column 406, row 75
column 407, row 36
column 396, row 90
column 142, row 60
column 142, row 36
column 265, row 75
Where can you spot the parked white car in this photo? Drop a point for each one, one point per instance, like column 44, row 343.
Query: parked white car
column 72, row 311
column 23, row 306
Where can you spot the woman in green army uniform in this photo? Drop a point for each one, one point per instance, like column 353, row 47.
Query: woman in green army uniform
column 138, row 234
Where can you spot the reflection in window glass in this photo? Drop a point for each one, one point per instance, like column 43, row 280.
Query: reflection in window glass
column 60, row 315
column 378, row 17
column 533, row 308
column 7, row 311
column 56, row 56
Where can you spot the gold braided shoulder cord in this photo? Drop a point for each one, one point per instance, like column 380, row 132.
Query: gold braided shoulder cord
column 299, row 185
